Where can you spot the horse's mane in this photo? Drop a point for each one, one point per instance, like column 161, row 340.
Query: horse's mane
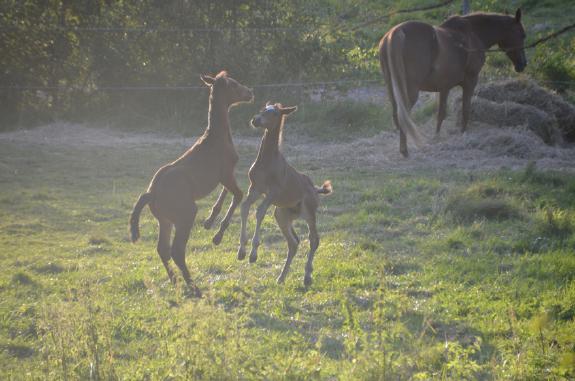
column 460, row 22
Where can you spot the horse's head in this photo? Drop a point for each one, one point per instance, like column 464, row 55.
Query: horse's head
column 231, row 90
column 271, row 115
column 513, row 42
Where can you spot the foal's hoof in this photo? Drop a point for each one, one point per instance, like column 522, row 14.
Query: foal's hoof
column 281, row 279
column 241, row 253
column 307, row 281
column 217, row 238
column 208, row 224
column 253, row 257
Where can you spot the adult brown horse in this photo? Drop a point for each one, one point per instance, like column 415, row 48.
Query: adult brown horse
column 415, row 56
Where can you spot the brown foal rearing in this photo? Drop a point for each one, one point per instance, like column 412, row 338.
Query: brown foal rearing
column 292, row 192
column 175, row 187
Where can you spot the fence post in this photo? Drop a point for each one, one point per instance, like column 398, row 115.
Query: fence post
column 465, row 7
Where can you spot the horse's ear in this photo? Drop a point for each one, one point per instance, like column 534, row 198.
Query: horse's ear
column 518, row 15
column 288, row 110
column 209, row 81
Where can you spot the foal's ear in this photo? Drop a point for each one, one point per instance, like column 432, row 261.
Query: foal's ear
column 287, row 110
column 209, row 81
column 518, row 15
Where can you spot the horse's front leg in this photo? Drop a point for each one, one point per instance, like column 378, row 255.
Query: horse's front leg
column 216, row 209
column 442, row 110
column 244, row 212
column 260, row 214
column 468, row 89
column 229, row 181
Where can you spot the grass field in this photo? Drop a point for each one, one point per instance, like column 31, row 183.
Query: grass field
column 421, row 274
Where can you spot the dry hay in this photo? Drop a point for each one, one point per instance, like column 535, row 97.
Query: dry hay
column 528, row 93
column 511, row 114
column 520, row 106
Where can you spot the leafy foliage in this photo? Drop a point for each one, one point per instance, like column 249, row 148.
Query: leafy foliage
column 71, row 56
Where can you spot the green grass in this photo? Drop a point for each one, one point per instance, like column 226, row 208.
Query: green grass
column 408, row 284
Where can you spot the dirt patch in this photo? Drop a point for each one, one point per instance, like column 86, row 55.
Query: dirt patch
column 482, row 147
column 513, row 122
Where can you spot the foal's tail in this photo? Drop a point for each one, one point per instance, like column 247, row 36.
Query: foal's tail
column 144, row 199
column 397, row 74
column 325, row 189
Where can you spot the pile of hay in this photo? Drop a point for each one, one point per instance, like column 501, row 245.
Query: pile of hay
column 511, row 114
column 539, row 105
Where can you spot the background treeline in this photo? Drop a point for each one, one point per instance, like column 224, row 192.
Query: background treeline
column 106, row 61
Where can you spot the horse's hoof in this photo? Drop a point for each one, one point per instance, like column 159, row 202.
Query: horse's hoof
column 241, row 253
column 281, row 280
column 307, row 281
column 208, row 224
column 253, row 258
column 193, row 292
column 217, row 239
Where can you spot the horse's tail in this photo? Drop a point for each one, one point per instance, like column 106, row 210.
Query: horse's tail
column 397, row 74
column 144, row 199
column 325, row 189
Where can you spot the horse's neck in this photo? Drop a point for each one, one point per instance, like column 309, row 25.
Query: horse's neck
column 488, row 28
column 218, row 120
column 270, row 145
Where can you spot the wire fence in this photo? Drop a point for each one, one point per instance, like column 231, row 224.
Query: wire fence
column 313, row 84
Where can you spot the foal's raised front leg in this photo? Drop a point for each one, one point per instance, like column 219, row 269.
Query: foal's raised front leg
column 260, row 214
column 245, row 211
column 230, row 183
column 216, row 209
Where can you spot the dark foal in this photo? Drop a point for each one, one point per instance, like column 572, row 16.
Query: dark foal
column 293, row 193
column 416, row 56
column 175, row 187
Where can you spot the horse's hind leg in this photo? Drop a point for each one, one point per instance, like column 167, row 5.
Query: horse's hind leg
column 179, row 243
column 313, row 245
column 403, row 144
column 163, row 247
column 284, row 219
column 442, row 111
column 413, row 94
column 244, row 213
column 260, row 214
